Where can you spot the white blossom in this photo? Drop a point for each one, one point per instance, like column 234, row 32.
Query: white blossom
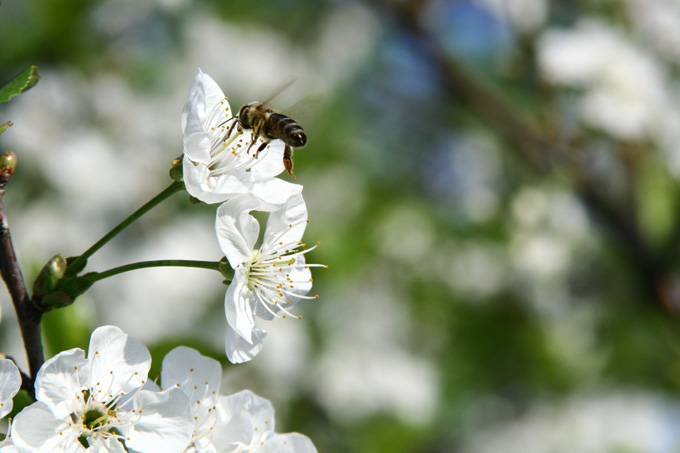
column 198, row 377
column 10, row 383
column 269, row 279
column 264, row 439
column 221, row 160
column 625, row 88
column 243, row 422
column 97, row 403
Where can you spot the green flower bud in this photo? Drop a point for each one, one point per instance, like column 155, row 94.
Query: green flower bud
column 49, row 276
column 8, row 163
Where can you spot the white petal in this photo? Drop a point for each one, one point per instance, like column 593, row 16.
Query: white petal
column 119, row 363
column 235, row 426
column 9, row 448
column 237, row 230
column 238, row 304
column 239, row 350
column 196, row 375
column 165, row 423
column 286, row 224
column 198, row 116
column 302, row 277
column 260, row 411
column 61, row 380
column 38, row 429
column 269, row 161
column 288, row 443
column 10, row 382
column 273, row 193
column 210, row 189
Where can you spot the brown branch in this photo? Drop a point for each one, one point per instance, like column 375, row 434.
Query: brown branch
column 27, row 314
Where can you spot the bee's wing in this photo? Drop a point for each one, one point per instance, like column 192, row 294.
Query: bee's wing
column 279, row 90
column 304, row 108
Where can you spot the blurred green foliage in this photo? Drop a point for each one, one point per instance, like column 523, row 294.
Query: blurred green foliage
column 394, row 143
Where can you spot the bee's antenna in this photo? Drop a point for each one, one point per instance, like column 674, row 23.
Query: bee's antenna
column 226, row 121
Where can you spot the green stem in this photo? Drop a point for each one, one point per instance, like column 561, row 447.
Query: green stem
column 79, row 263
column 96, row 276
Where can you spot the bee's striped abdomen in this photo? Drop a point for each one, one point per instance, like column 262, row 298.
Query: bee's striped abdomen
column 286, row 129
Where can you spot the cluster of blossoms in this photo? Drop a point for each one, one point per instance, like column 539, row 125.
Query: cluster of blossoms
column 105, row 403
column 222, row 165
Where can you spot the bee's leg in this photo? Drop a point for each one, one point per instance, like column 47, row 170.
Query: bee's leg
column 257, row 128
column 233, row 125
column 262, row 146
column 288, row 160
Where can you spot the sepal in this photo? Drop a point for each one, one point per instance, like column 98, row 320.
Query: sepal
column 53, row 289
column 72, row 270
column 226, row 270
column 177, row 170
column 5, row 126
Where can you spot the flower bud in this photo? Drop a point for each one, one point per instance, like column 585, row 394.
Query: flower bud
column 50, row 275
column 8, row 163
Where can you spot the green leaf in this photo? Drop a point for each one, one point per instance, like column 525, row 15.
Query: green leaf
column 3, row 127
column 656, row 196
column 22, row 82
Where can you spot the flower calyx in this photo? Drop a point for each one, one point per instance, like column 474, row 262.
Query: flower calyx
column 226, row 270
column 52, row 289
column 177, row 170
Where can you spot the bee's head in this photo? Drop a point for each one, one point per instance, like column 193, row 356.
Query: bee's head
column 245, row 115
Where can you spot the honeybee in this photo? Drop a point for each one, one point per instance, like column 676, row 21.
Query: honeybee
column 271, row 125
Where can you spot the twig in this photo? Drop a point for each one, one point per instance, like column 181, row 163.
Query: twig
column 27, row 314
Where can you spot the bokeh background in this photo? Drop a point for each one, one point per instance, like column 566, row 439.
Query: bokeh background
column 495, row 185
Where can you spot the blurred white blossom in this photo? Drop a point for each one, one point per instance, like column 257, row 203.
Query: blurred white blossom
column 367, row 367
column 524, row 15
column 658, row 22
column 614, row 421
column 625, row 87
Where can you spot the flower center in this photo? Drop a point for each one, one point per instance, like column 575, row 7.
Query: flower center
column 94, row 421
column 94, row 418
column 276, row 274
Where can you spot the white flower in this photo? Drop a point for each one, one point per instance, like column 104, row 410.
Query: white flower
column 215, row 429
column 10, row 383
column 220, row 160
column 264, row 439
column 96, row 403
column 242, row 422
column 625, row 87
column 269, row 279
